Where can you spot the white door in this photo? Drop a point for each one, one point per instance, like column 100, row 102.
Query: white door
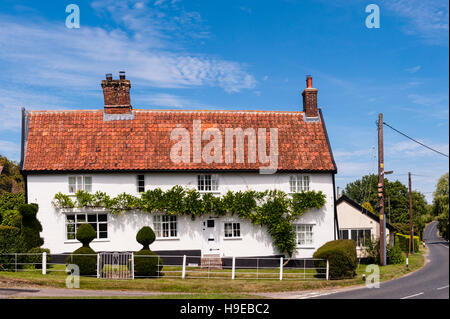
column 211, row 237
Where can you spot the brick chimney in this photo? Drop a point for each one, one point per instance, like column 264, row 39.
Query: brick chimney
column 117, row 94
column 310, row 99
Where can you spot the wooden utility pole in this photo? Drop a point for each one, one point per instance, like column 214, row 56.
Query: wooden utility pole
column 411, row 228
column 381, row 190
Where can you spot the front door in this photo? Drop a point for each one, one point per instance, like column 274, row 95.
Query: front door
column 210, row 237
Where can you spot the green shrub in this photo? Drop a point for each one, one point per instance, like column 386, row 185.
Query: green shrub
column 146, row 262
column 150, row 266
column 395, row 255
column 86, row 234
column 12, row 218
column 10, row 243
column 87, row 264
column 36, row 260
column 404, row 241
column 31, row 227
column 341, row 255
column 145, row 237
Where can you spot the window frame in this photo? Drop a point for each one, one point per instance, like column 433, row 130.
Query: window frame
column 357, row 231
column 308, row 240
column 299, row 183
column 80, row 183
column 213, row 183
column 76, row 223
column 138, row 185
column 159, row 225
column 236, row 230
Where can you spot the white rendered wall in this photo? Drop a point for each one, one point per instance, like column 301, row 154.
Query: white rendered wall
column 122, row 229
column 351, row 218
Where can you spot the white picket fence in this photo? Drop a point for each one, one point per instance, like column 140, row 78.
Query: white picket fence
column 120, row 265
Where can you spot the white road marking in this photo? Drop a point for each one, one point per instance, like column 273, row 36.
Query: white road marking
column 444, row 245
column 442, row 287
column 420, row 293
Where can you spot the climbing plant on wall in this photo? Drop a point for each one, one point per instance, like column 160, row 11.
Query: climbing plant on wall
column 273, row 209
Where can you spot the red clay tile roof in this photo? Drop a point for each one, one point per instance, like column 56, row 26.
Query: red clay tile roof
column 83, row 141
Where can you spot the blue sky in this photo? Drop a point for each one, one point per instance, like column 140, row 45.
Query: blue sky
column 244, row 55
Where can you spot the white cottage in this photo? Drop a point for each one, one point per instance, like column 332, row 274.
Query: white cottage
column 122, row 149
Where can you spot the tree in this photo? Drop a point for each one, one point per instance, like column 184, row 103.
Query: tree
column 397, row 207
column 11, row 180
column 441, row 205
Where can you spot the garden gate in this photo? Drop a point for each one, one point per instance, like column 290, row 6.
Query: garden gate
column 115, row 265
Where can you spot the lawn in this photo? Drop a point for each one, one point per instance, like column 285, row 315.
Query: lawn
column 56, row 277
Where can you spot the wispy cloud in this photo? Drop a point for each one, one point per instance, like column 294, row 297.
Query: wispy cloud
column 427, row 19
column 413, row 69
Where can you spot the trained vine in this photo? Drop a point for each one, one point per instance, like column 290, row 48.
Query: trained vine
column 273, row 209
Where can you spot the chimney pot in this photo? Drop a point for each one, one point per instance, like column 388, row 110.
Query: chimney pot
column 108, row 77
column 309, row 81
column 122, row 75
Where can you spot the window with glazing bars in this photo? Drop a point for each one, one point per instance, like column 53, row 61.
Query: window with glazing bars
column 165, row 226
column 77, row 183
column 207, row 183
column 232, row 230
column 140, row 183
column 299, row 183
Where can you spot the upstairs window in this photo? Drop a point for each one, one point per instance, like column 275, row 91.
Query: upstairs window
column 299, row 183
column 208, row 183
column 140, row 182
column 77, row 183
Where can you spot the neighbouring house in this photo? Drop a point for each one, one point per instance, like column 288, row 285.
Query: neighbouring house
column 120, row 149
column 357, row 223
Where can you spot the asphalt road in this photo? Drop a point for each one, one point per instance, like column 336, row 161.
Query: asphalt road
column 430, row 282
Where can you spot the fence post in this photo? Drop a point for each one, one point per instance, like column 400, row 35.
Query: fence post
column 183, row 272
column 132, row 265
column 233, row 267
column 44, row 263
column 98, row 265
column 328, row 270
column 281, row 268
column 15, row 262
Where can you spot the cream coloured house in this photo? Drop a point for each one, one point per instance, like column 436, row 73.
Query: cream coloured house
column 357, row 223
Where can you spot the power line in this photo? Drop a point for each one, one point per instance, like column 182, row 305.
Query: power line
column 432, row 149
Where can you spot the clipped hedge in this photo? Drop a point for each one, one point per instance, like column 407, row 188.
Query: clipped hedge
column 31, row 227
column 11, row 218
column 87, row 264
column 36, row 260
column 341, row 255
column 146, row 262
column 403, row 242
column 10, row 242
